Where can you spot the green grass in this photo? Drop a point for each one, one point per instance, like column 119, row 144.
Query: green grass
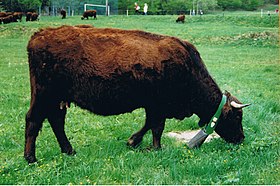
column 241, row 53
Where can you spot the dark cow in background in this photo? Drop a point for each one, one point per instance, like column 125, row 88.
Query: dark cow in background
column 8, row 17
column 181, row 18
column 111, row 71
column 63, row 13
column 32, row 16
column 18, row 16
column 28, row 16
column 4, row 18
column 89, row 13
column 35, row 17
column 3, row 14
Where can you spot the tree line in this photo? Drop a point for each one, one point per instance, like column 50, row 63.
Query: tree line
column 155, row 6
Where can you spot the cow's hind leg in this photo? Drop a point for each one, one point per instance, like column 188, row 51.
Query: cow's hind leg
column 34, row 119
column 56, row 118
column 153, row 121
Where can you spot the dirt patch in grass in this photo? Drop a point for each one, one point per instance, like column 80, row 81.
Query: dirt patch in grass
column 186, row 136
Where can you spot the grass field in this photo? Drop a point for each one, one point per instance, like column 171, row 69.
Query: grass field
column 241, row 53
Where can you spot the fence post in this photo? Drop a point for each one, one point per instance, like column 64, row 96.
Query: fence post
column 53, row 10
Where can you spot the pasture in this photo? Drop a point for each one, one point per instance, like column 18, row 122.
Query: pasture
column 241, row 52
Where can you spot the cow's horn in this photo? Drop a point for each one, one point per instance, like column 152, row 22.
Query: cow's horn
column 238, row 105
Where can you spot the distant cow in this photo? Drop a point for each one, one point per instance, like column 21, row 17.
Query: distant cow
column 63, row 13
column 32, row 16
column 18, row 16
column 3, row 14
column 28, row 16
column 181, row 18
column 7, row 19
column 89, row 13
column 111, row 71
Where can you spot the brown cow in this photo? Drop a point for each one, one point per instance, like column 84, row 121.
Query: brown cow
column 28, row 16
column 3, row 14
column 89, row 13
column 18, row 16
column 7, row 19
column 112, row 71
column 63, row 13
column 32, row 16
column 181, row 18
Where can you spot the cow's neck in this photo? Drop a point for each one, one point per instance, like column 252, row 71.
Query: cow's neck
column 207, row 99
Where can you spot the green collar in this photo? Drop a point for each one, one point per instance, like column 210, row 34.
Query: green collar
column 213, row 122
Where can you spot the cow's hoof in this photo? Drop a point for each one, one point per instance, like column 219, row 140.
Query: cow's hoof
column 30, row 159
column 134, row 141
column 70, row 152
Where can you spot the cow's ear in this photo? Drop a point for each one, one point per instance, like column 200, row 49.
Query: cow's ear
column 201, row 123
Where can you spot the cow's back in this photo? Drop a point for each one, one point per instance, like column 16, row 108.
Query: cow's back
column 106, row 51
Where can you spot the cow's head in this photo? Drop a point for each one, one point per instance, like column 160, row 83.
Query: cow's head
column 229, row 126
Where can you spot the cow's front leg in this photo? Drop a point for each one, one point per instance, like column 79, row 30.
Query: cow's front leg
column 157, row 130
column 137, row 137
column 153, row 121
column 57, row 120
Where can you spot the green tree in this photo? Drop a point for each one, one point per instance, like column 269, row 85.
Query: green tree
column 30, row 4
column 203, row 5
column 20, row 5
column 229, row 4
column 208, row 5
column 251, row 4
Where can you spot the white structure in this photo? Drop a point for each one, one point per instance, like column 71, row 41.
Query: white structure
column 94, row 5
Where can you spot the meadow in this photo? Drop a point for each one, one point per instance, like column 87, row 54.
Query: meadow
column 241, row 52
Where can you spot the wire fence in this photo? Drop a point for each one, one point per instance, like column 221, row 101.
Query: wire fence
column 55, row 11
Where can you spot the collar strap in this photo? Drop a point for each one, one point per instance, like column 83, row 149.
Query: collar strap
column 209, row 129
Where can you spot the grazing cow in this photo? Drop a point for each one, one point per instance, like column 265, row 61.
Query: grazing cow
column 181, row 18
column 63, row 13
column 28, row 16
column 111, row 71
column 7, row 19
column 3, row 14
column 89, row 13
column 32, row 16
column 18, row 16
